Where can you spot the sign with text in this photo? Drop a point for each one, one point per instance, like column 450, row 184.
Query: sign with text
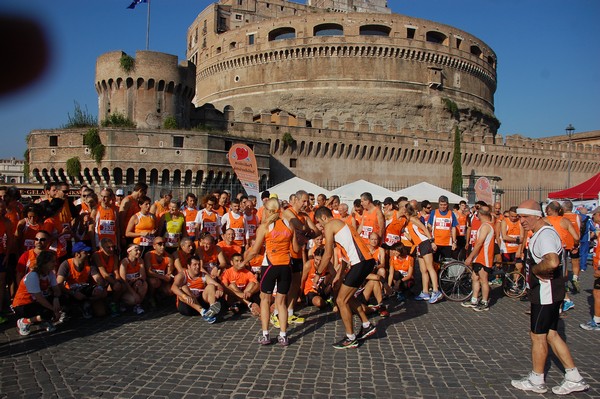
column 242, row 160
column 483, row 191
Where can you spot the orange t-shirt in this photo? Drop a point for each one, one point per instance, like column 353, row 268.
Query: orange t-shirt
column 241, row 278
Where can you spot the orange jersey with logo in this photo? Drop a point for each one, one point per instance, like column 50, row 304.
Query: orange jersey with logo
column 229, row 250
column 239, row 230
column 352, row 245
column 370, row 224
column 401, row 264
column 159, row 267
column 567, row 239
column 190, row 220
column 106, row 223
column 75, row 276
column 241, row 278
column 486, row 253
column 146, row 223
column 393, row 231
column 106, row 261
column 132, row 269
column 462, row 224
column 513, row 229
column 278, row 241
column 442, row 228
column 252, row 222
column 23, row 296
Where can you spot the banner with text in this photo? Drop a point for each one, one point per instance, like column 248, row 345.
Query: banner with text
column 483, row 191
column 242, row 160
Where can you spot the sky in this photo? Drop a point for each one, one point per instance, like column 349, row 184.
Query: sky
column 548, row 56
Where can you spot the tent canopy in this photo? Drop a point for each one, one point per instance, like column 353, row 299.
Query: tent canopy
column 349, row 192
column 291, row 186
column 426, row 191
column 587, row 190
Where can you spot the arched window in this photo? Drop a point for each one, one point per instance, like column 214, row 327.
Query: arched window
column 436, row 37
column 476, row 51
column 375, row 30
column 282, row 34
column 328, row 30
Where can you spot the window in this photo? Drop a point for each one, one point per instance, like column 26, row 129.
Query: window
column 178, row 141
column 328, row 30
column 375, row 30
column 293, row 162
column 240, row 2
column 251, row 39
column 476, row 51
column 53, row 141
column 436, row 37
column 238, row 17
column 410, row 33
column 282, row 33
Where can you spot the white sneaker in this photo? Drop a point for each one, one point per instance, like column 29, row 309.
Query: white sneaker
column 24, row 328
column 525, row 384
column 137, row 309
column 566, row 387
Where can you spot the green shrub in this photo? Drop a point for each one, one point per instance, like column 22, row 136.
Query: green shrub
column 170, row 123
column 73, row 167
column 127, row 63
column 117, row 120
column 80, row 118
column 288, row 139
column 451, row 107
column 92, row 140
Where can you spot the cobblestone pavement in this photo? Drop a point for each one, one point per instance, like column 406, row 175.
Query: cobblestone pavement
column 421, row 351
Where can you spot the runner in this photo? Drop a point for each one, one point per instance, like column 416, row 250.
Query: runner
column 594, row 323
column 159, row 271
column 372, row 218
column 278, row 236
column 361, row 262
column 237, row 222
column 547, row 290
column 161, row 206
column 172, row 227
column 133, row 272
column 129, row 206
column 207, row 220
column 142, row 226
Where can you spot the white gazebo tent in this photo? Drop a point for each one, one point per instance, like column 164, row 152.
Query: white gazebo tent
column 291, row 186
column 349, row 192
column 426, row 191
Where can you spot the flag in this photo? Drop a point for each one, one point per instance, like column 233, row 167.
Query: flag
column 136, row 2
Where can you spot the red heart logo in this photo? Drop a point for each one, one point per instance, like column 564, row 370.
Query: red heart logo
column 241, row 153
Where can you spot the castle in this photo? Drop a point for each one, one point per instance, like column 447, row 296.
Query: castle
column 331, row 91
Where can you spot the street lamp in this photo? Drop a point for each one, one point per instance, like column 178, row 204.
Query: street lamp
column 569, row 129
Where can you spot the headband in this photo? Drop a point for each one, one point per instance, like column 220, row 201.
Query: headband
column 529, row 212
column 133, row 248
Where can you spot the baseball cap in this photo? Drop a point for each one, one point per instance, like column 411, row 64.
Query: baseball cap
column 80, row 247
column 119, row 192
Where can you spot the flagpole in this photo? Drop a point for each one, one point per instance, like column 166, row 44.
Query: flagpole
column 148, row 27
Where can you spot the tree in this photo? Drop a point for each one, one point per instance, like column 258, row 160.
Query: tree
column 457, row 180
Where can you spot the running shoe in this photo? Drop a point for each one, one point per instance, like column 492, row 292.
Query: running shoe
column 213, row 310
column 330, row 302
column 496, row 281
column 346, row 343
column 114, row 309
column 400, row 297
column 86, row 310
column 366, row 332
column 423, row 297
column 481, row 307
column 525, row 384
column 63, row 317
column 566, row 387
column 436, row 296
column 576, row 286
column 293, row 319
column 264, row 340
column 383, row 312
column 209, row 319
column 48, row 326
column 235, row 308
column 283, row 341
column 590, row 326
column 23, row 327
column 138, row 310
column 469, row 304
column 274, row 320
column 567, row 305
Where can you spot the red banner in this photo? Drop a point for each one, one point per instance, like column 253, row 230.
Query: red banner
column 483, row 190
column 242, row 160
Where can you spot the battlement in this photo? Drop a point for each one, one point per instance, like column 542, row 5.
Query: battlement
column 146, row 89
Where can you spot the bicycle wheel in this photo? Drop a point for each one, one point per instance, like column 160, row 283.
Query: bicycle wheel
column 514, row 285
column 455, row 281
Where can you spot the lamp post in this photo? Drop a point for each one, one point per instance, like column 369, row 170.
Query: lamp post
column 569, row 129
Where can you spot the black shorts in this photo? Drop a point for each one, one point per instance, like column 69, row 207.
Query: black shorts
column 297, row 265
column 309, row 297
column 544, row 317
column 597, row 284
column 478, row 266
column 442, row 252
column 496, row 249
column 424, row 248
column 506, row 257
column 271, row 275
column 2, row 267
column 34, row 309
column 573, row 253
column 358, row 273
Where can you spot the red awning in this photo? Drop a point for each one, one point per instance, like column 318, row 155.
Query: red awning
column 589, row 189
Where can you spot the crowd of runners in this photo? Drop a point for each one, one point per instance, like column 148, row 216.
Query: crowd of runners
column 101, row 253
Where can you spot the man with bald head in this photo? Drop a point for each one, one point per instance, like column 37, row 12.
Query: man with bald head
column 547, row 291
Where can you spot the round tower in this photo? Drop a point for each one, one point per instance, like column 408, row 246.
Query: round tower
column 146, row 89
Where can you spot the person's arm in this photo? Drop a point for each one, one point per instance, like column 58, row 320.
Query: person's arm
column 258, row 242
column 130, row 230
column 123, row 210
column 566, row 224
column 410, row 273
column 221, row 258
column 328, row 254
column 381, row 224
column 547, row 265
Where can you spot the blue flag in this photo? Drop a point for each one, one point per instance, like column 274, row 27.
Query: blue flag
column 136, row 2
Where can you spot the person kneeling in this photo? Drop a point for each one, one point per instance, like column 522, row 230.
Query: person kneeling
column 241, row 285
column 319, row 294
